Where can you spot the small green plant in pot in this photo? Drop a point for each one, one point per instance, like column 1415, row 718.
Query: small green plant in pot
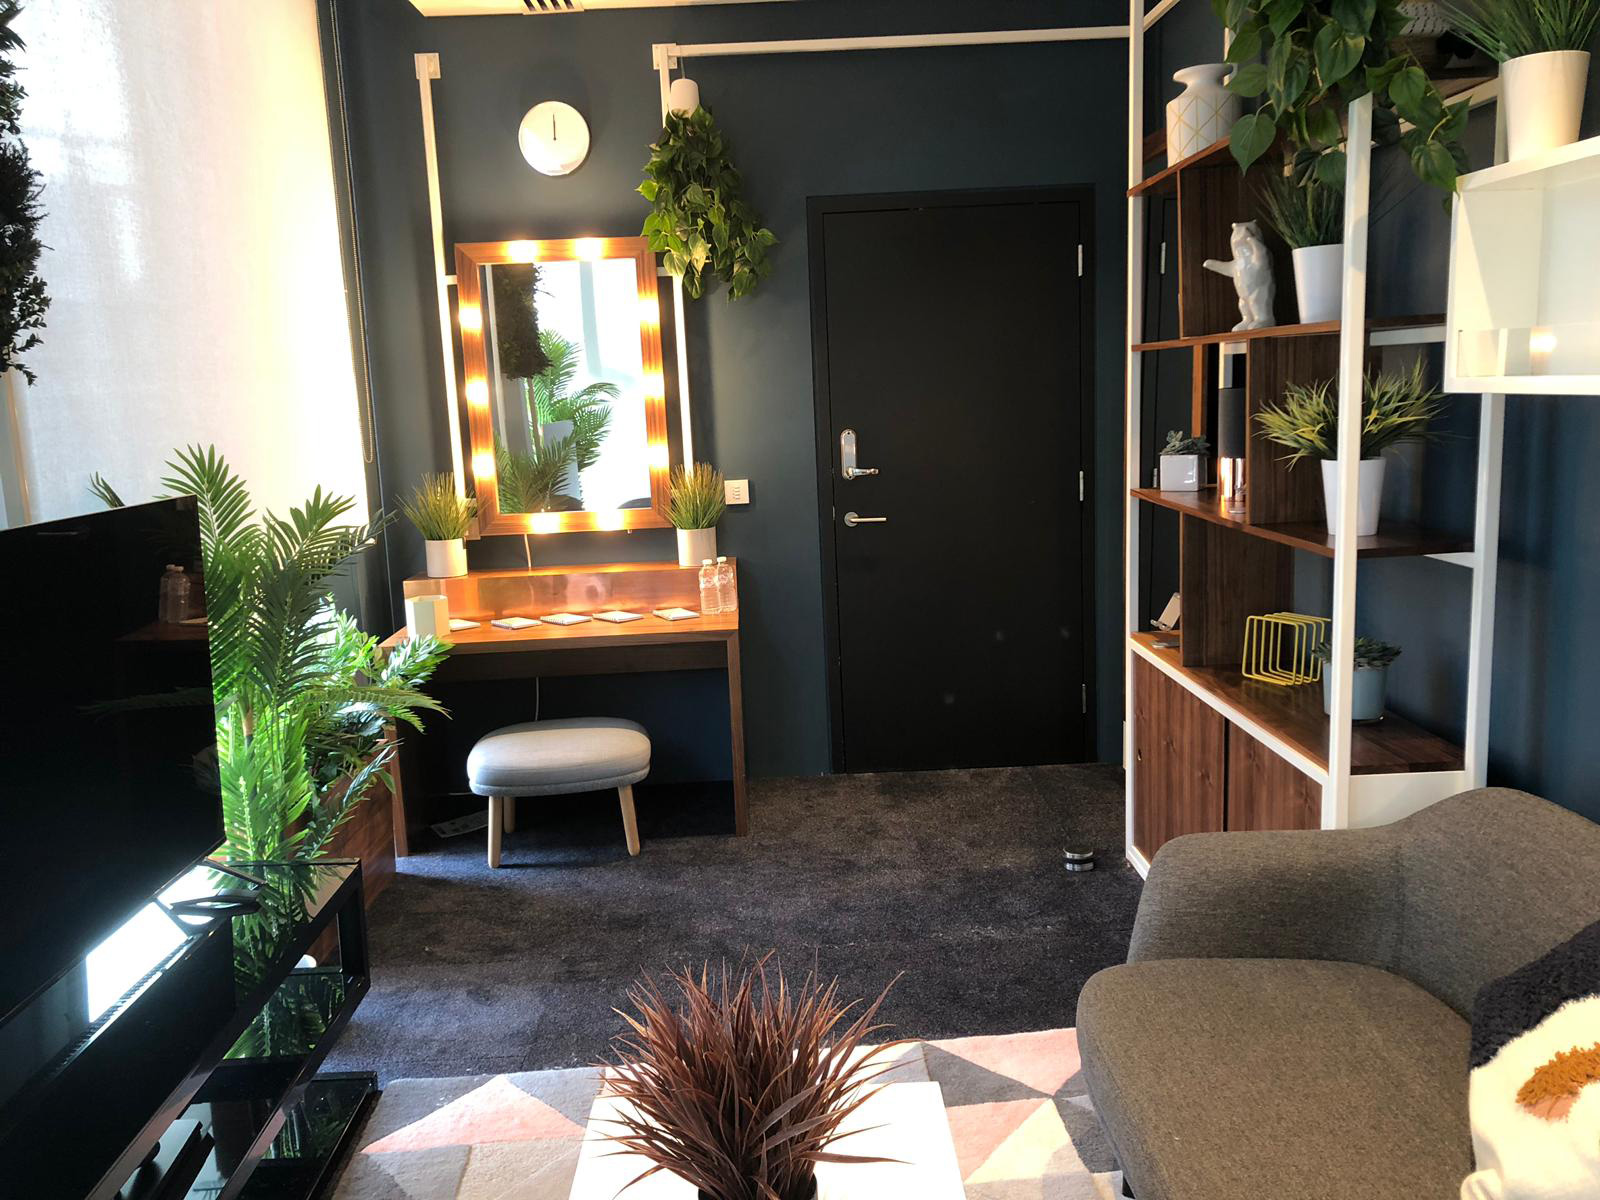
column 694, row 506
column 1369, row 681
column 1309, row 217
column 1181, row 466
column 1398, row 408
column 443, row 517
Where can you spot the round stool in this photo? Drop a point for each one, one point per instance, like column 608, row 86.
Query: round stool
column 558, row 758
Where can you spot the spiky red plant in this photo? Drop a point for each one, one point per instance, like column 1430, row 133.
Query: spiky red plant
column 741, row 1085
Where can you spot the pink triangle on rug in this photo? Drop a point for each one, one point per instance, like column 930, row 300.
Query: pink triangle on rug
column 499, row 1111
column 1043, row 1061
column 978, row 1130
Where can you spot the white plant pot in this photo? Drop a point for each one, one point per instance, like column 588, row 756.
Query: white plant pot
column 1543, row 95
column 1203, row 113
column 446, row 559
column 696, row 545
column 1319, row 281
column 1180, row 473
column 1369, row 495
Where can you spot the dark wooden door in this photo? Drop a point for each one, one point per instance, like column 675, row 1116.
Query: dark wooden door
column 951, row 338
column 1179, row 761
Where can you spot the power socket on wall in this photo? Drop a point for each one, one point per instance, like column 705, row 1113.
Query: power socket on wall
column 736, row 491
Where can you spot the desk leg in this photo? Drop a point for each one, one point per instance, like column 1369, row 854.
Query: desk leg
column 741, row 807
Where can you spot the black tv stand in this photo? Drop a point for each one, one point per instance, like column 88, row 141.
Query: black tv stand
column 200, row 1081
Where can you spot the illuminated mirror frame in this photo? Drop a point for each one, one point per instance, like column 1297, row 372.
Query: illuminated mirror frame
column 471, row 257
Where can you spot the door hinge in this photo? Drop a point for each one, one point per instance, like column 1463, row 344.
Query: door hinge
column 1080, row 260
column 1080, row 487
column 1163, row 270
column 1085, row 688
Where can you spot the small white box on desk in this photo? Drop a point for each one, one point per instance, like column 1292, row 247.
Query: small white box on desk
column 427, row 616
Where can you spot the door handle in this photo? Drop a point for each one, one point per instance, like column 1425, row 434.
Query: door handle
column 853, row 519
column 847, row 457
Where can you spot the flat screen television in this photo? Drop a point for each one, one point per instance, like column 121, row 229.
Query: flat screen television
column 108, row 783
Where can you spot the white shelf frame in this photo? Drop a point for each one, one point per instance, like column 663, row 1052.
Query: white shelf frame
column 1347, row 801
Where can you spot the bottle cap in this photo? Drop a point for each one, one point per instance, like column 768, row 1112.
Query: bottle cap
column 722, row 558
column 705, row 562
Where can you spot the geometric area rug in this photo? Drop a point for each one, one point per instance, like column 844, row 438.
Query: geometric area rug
column 1019, row 1115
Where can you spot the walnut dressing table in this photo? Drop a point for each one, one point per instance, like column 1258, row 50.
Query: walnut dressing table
column 590, row 648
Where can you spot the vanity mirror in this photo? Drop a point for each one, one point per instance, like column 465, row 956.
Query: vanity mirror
column 566, row 402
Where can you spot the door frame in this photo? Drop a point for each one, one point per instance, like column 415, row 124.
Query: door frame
column 818, row 207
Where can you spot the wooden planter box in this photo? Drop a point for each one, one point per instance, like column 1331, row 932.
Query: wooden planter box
column 369, row 836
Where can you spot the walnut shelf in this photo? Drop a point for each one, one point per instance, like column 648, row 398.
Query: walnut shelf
column 1294, row 715
column 1287, row 331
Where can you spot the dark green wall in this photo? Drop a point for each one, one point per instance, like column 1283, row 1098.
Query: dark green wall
column 801, row 125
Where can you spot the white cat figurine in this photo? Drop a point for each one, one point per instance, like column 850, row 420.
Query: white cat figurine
column 1251, row 268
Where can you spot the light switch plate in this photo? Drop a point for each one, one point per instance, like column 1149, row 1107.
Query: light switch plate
column 736, row 491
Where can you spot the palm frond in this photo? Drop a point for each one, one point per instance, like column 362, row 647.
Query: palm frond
column 588, row 408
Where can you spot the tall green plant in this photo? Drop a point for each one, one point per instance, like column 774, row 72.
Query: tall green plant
column 516, row 320
column 302, row 696
column 1308, row 59
column 23, row 299
column 1506, row 29
column 528, row 479
column 699, row 218
column 587, row 408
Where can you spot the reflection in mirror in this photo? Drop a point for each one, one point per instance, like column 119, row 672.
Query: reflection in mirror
column 567, row 386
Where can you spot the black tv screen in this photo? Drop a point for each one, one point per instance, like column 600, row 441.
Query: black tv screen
column 108, row 782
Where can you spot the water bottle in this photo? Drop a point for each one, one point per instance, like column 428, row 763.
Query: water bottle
column 709, row 604
column 727, row 589
column 173, row 605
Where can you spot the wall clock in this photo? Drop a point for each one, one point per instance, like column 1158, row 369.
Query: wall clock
column 554, row 138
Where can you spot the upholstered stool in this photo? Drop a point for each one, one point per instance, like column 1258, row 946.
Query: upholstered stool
column 557, row 758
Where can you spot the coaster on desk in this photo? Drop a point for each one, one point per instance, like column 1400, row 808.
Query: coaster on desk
column 617, row 617
column 513, row 622
column 675, row 614
column 564, row 619
column 457, row 624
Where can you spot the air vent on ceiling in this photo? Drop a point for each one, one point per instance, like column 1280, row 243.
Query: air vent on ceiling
column 553, row 6
column 489, row 8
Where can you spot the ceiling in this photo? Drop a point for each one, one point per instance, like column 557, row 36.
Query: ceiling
column 496, row 8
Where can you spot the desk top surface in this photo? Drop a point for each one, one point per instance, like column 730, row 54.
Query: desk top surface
column 648, row 630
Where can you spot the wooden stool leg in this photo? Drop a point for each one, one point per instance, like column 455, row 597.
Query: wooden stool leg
column 495, row 822
column 510, row 806
column 630, row 820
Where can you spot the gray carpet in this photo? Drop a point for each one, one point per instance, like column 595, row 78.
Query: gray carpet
column 952, row 877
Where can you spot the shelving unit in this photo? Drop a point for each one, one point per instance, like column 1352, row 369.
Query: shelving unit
column 1205, row 748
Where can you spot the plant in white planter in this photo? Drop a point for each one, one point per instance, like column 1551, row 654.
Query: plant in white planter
column 694, row 507
column 442, row 516
column 1542, row 47
column 1398, row 408
column 1309, row 217
column 1369, row 683
column 1181, row 469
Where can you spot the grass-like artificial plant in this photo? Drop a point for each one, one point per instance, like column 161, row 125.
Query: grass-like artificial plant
column 740, row 1083
column 1370, row 655
column 528, row 479
column 1505, row 29
column 1304, row 214
column 1177, row 443
column 1398, row 408
column 588, row 408
column 437, row 510
column 23, row 300
column 697, row 499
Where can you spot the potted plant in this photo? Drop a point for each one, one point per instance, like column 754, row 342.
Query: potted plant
column 1398, row 408
column 1180, row 462
column 694, row 506
column 443, row 517
column 1542, row 47
column 741, row 1088
column 1369, row 682
column 1309, row 217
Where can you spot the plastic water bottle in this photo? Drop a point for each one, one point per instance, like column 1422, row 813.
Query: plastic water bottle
column 173, row 605
column 727, row 588
column 709, row 603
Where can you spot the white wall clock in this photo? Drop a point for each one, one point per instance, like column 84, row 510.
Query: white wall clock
column 554, row 138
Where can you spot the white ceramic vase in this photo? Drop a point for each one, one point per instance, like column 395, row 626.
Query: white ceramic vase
column 1369, row 495
column 1203, row 113
column 1180, row 473
column 1543, row 95
column 1319, row 281
column 446, row 559
column 696, row 545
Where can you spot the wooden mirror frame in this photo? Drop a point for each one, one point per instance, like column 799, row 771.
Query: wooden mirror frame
column 471, row 257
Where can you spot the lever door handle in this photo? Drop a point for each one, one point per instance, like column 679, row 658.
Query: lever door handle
column 853, row 519
column 847, row 457
column 858, row 472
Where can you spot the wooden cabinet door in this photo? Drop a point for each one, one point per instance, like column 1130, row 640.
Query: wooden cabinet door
column 1179, row 743
column 1265, row 792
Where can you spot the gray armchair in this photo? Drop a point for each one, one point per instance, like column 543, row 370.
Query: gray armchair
column 1292, row 1020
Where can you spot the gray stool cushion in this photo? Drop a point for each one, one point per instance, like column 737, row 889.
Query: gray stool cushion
column 551, row 758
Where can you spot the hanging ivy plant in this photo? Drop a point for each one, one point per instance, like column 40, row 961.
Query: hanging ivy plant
column 699, row 221
column 1309, row 59
column 22, row 294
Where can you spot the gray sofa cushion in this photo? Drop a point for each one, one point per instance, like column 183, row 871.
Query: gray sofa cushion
column 1224, row 1078
column 543, row 758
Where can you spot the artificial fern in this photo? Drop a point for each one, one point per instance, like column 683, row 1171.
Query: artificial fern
column 588, row 408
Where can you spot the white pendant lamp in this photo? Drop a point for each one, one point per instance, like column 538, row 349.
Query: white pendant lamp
column 684, row 96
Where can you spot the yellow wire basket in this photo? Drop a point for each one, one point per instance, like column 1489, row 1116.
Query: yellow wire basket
column 1278, row 648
